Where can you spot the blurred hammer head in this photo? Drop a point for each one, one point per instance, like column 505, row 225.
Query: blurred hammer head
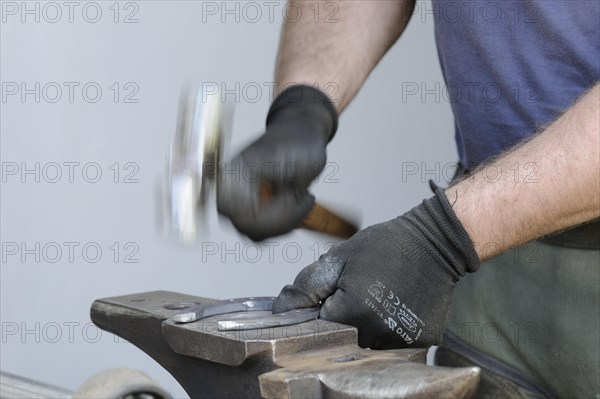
column 193, row 160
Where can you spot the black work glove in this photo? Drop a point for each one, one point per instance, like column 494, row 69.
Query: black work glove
column 393, row 281
column 284, row 160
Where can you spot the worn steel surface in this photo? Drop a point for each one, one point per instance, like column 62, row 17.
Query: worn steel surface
column 353, row 372
column 314, row 359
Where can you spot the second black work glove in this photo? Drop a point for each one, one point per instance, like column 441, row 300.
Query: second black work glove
column 282, row 162
column 393, row 281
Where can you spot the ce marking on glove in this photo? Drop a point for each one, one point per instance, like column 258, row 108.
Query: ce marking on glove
column 396, row 315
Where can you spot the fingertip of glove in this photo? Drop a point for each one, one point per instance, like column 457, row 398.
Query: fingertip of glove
column 291, row 298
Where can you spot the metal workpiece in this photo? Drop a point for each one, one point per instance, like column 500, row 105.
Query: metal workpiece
column 312, row 359
column 252, row 314
column 259, row 320
column 200, row 311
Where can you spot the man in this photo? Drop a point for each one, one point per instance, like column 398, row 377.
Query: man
column 532, row 326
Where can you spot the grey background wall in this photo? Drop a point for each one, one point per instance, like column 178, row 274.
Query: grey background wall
column 390, row 141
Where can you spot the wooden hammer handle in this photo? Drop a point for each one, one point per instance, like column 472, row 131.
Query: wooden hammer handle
column 323, row 220
column 319, row 219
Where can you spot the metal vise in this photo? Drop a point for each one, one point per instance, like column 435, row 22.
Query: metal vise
column 313, row 359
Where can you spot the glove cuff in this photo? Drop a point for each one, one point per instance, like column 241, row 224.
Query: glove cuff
column 439, row 233
column 309, row 100
column 453, row 228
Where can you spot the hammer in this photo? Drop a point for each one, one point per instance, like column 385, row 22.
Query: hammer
column 203, row 126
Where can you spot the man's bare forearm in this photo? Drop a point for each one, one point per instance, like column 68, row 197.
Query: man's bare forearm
column 336, row 44
column 547, row 184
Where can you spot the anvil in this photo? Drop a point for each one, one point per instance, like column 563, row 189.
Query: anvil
column 312, row 359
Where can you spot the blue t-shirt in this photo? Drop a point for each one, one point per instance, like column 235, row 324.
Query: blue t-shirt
column 513, row 67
